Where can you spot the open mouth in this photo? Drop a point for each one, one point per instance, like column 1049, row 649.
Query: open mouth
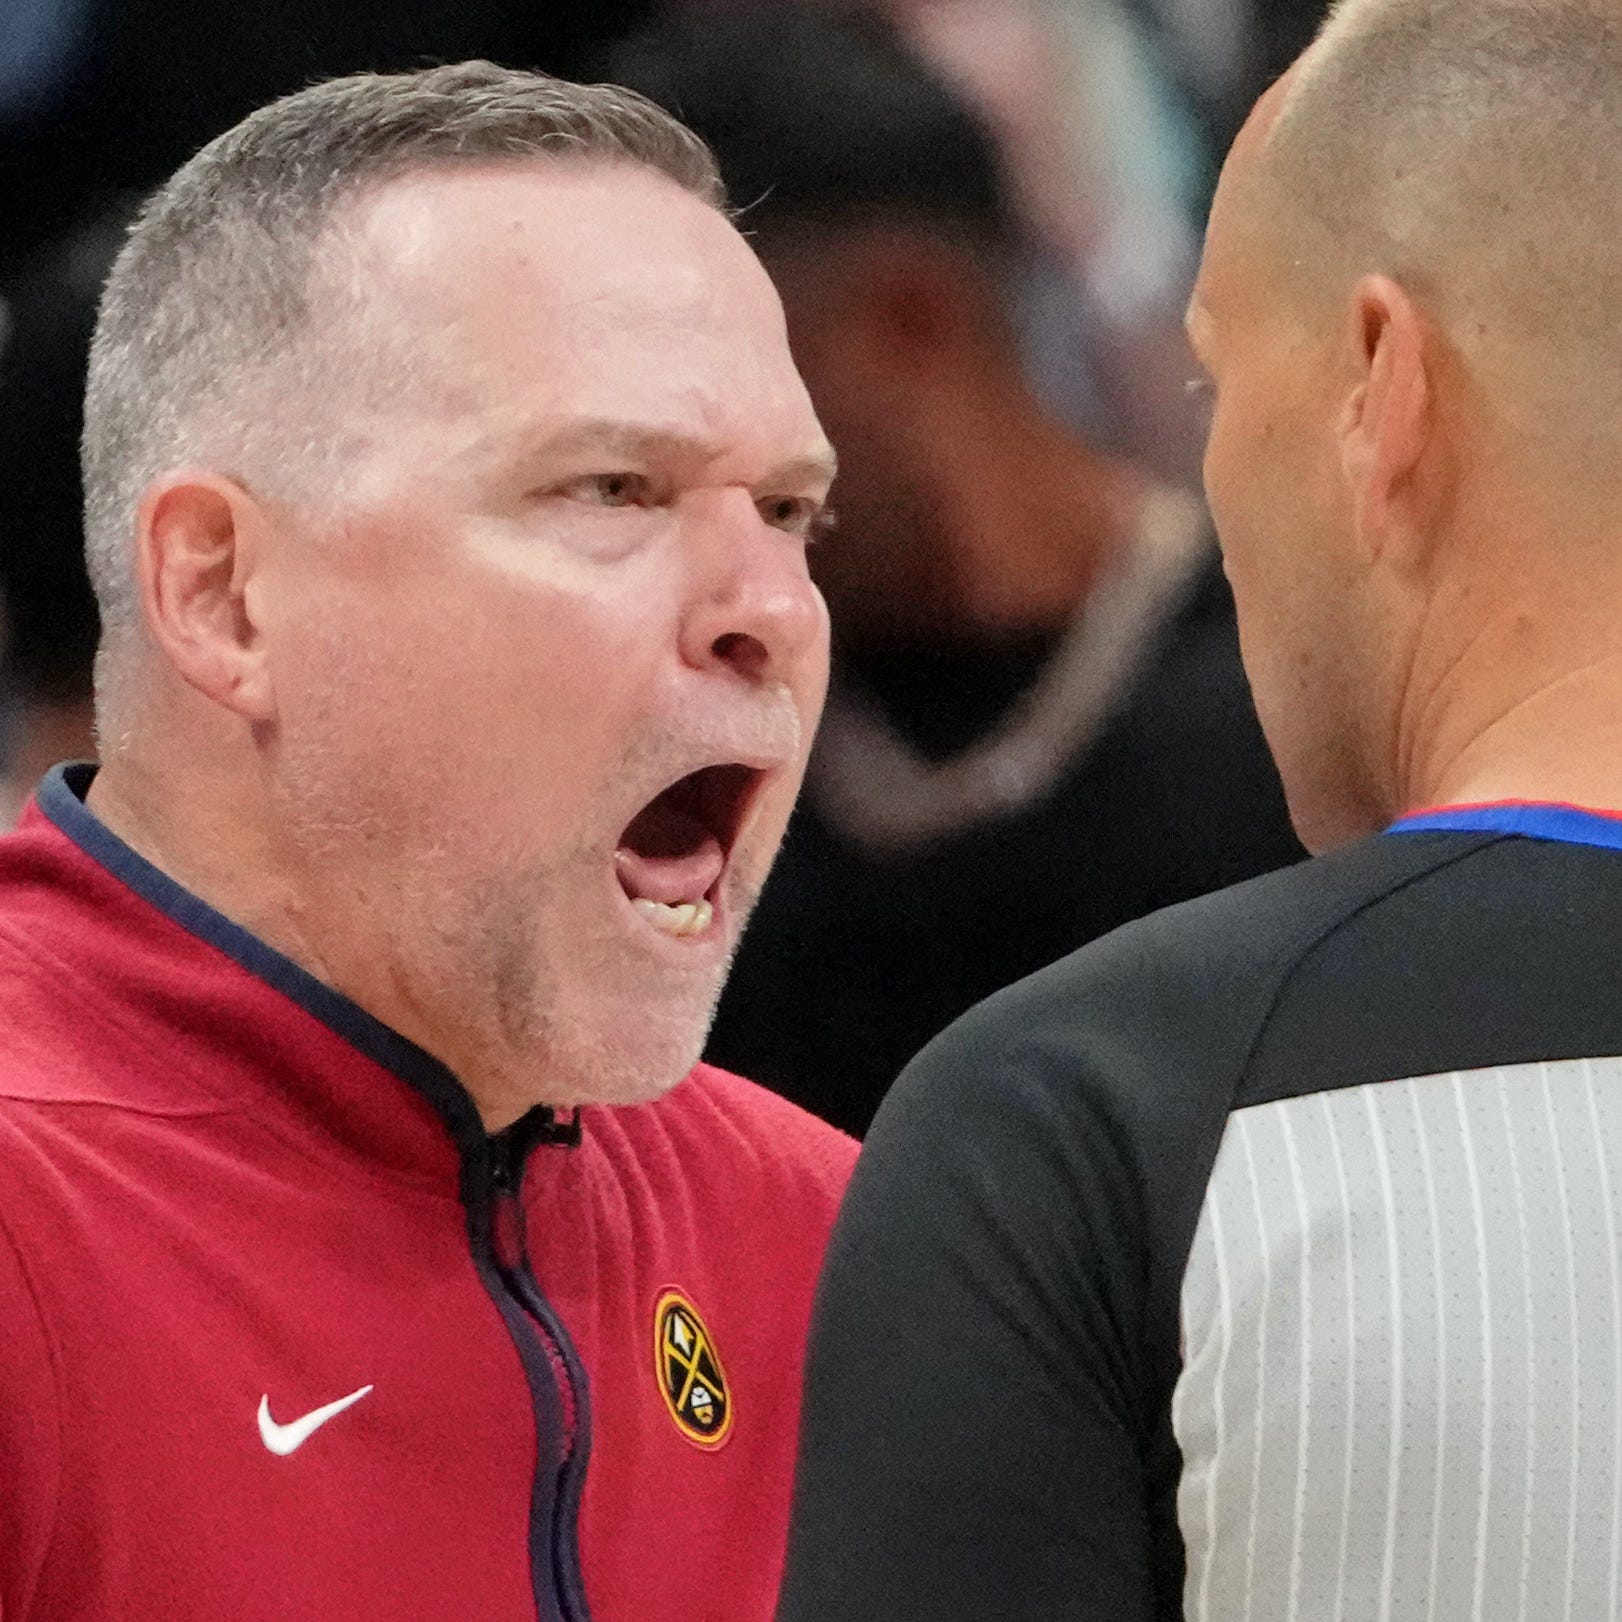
column 671, row 856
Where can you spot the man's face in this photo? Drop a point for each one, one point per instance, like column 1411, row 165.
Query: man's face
column 548, row 663
column 1279, row 503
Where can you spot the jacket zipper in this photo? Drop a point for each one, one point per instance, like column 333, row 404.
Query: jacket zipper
column 556, row 1377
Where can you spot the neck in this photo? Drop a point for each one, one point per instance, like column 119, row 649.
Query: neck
column 201, row 824
column 1528, row 707
column 202, row 821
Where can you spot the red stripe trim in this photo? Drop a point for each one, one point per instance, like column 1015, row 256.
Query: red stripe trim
column 1497, row 805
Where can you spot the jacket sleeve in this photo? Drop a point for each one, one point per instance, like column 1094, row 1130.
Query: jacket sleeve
column 30, row 1445
column 975, row 1440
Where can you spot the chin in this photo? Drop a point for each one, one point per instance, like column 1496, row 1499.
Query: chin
column 620, row 1062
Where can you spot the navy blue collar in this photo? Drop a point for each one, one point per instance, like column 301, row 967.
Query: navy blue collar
column 1531, row 819
column 61, row 797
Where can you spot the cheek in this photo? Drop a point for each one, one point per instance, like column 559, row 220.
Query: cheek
column 505, row 709
column 1256, row 485
column 539, row 710
column 1227, row 473
column 1263, row 542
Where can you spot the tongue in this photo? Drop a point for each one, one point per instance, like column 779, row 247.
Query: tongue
column 669, row 856
column 670, row 879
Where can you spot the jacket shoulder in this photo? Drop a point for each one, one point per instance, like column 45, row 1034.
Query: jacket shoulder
column 1214, row 964
column 752, row 1121
column 729, row 1148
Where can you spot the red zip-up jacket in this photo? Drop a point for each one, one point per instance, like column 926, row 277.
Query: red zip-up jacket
column 284, row 1334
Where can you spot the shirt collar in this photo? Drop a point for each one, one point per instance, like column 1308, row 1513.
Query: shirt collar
column 1531, row 819
column 154, row 945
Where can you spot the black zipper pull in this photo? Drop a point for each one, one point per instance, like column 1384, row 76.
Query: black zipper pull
column 506, row 1169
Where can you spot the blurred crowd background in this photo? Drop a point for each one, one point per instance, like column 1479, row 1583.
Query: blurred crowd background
column 984, row 217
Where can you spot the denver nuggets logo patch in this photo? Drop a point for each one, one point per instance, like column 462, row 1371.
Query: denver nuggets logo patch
column 688, row 1369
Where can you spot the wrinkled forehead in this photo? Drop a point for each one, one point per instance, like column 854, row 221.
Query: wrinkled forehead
column 580, row 288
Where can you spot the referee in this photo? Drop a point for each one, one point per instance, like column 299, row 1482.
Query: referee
column 1264, row 1260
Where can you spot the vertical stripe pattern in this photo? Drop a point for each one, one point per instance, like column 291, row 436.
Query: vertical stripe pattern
column 1402, row 1325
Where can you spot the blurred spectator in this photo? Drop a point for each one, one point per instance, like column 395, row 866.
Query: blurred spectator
column 1223, row 53
column 113, row 94
column 41, row 41
column 1280, row 31
column 1039, row 727
column 50, row 613
column 1209, row 45
column 1110, row 170
column 1109, row 114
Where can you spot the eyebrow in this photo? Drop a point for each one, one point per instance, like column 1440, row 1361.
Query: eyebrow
column 637, row 442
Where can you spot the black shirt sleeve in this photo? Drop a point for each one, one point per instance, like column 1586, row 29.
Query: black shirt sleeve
column 995, row 1345
column 975, row 1432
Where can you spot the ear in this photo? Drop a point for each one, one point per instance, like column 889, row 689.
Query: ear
column 1389, row 420
column 199, row 540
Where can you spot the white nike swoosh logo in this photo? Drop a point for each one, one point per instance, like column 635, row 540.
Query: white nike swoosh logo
column 285, row 1439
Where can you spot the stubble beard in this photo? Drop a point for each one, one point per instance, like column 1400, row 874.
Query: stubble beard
column 581, row 1020
column 477, row 938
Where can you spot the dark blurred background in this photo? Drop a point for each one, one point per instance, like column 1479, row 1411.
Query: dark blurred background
column 97, row 95
column 984, row 216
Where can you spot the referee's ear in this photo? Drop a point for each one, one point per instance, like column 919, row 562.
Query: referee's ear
column 1387, row 428
column 200, row 537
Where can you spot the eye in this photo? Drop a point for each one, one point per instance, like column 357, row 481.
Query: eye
column 610, row 489
column 797, row 515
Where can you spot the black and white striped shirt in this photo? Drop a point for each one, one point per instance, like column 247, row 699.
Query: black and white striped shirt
column 1261, row 1263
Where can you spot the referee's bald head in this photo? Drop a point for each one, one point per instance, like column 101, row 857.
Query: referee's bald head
column 1411, row 308
column 1472, row 149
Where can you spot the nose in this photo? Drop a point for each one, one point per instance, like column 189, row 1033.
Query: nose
column 752, row 608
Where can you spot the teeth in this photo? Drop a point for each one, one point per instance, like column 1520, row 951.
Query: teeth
column 690, row 918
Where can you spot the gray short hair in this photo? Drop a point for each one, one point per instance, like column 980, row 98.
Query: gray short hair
column 1473, row 150
column 213, row 295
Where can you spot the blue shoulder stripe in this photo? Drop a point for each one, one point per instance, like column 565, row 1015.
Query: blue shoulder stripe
column 1531, row 819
